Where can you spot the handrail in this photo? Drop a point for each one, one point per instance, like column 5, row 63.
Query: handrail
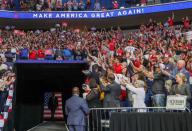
column 121, row 108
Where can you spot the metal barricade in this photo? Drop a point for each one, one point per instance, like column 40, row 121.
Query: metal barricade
column 99, row 118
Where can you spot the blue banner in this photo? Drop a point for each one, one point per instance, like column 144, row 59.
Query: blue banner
column 96, row 14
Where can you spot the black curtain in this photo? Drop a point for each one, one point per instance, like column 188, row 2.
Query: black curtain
column 33, row 80
column 175, row 121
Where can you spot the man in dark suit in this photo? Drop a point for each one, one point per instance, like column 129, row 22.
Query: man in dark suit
column 76, row 109
column 112, row 92
column 52, row 105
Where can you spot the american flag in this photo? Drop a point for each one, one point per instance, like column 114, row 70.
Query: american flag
column 7, row 108
column 59, row 111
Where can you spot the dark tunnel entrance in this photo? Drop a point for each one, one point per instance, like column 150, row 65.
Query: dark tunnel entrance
column 33, row 80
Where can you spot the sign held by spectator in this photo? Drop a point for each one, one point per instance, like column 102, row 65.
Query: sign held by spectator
column 175, row 102
column 19, row 32
column 64, row 24
column 188, row 35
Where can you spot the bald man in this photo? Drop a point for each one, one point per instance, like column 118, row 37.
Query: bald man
column 76, row 109
column 181, row 69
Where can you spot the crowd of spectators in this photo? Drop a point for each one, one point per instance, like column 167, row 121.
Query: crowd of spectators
column 73, row 5
column 141, row 69
column 59, row 5
column 127, row 68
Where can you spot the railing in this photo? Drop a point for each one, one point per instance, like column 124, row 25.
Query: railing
column 99, row 118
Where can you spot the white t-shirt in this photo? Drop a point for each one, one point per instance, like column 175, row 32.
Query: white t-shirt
column 38, row 7
column 130, row 49
column 119, row 78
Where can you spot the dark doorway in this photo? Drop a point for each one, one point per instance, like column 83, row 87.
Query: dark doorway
column 33, row 80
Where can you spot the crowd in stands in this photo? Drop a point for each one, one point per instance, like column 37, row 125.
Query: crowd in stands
column 72, row 5
column 143, row 69
column 60, row 5
column 127, row 68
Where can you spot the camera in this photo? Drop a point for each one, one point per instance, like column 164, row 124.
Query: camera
column 84, row 86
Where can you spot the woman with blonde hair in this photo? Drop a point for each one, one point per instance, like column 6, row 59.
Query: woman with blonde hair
column 181, row 88
column 138, row 89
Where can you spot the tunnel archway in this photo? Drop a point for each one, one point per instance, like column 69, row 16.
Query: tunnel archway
column 34, row 79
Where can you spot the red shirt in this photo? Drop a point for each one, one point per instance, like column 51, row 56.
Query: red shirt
column 33, row 55
column 1, row 40
column 119, row 52
column 153, row 58
column 41, row 53
column 189, row 46
column 87, row 81
column 137, row 63
column 104, row 52
column 186, row 24
column 115, row 5
column 117, row 68
column 111, row 46
column 123, row 95
column 171, row 22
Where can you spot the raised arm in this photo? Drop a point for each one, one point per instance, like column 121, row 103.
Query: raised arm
column 173, row 15
column 103, row 87
column 132, row 88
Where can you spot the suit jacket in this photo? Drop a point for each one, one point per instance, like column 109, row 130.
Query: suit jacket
column 184, row 71
column 93, row 99
column 76, row 108
column 53, row 103
column 112, row 95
